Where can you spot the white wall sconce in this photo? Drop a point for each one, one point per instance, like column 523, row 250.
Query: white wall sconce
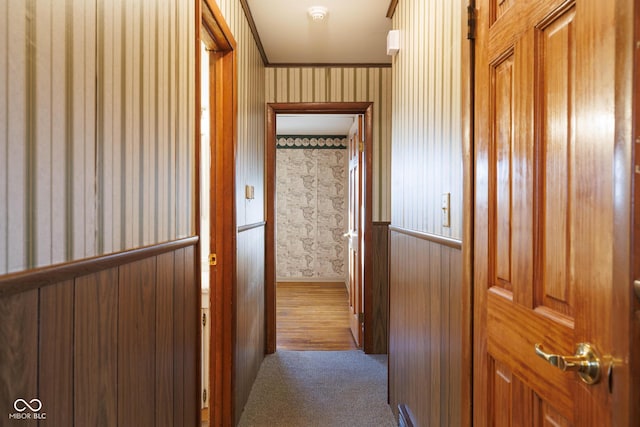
column 318, row 13
column 393, row 42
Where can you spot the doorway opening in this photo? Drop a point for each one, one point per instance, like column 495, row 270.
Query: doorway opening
column 343, row 109
column 312, row 221
column 205, row 225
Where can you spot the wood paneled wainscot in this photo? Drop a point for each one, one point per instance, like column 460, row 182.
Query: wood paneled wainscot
column 108, row 341
column 379, row 291
column 426, row 334
column 249, row 330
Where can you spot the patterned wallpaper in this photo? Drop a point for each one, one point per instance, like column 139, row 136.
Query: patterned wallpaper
column 311, row 214
column 310, row 141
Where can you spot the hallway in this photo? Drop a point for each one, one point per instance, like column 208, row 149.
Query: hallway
column 501, row 214
column 317, row 377
column 319, row 388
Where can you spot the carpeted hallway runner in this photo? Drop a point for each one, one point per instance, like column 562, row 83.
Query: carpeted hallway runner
column 319, row 388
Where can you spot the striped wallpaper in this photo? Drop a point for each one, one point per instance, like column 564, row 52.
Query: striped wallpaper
column 96, row 128
column 315, row 84
column 251, row 116
column 427, row 138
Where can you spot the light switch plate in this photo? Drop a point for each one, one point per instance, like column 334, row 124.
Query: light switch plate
column 446, row 209
column 248, row 192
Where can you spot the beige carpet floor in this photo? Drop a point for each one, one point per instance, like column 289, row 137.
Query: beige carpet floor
column 319, row 389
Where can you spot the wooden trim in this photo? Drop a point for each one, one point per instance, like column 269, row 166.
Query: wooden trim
column 381, row 223
column 626, row 264
column 441, row 240
column 270, row 308
column 468, row 191
column 248, row 227
column 623, row 286
column 216, row 27
column 327, row 65
column 365, row 108
column 40, row 277
column 392, row 8
column 254, row 31
column 368, row 345
column 224, row 111
column 317, row 108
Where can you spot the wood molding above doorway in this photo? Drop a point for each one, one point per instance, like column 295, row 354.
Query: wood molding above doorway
column 365, row 108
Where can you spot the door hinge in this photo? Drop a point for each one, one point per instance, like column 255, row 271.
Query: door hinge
column 204, row 319
column 472, row 21
column 213, row 259
column 361, row 317
column 204, row 395
column 361, row 146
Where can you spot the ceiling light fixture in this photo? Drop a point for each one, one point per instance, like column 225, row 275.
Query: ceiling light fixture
column 318, row 13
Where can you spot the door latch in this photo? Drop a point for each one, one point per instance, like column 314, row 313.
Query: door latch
column 585, row 362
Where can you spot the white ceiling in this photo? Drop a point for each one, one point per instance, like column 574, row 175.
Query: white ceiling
column 353, row 32
column 313, row 124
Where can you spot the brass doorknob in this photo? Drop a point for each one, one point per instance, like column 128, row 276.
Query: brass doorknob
column 585, row 362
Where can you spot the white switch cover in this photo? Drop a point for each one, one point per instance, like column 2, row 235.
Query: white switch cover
column 446, row 212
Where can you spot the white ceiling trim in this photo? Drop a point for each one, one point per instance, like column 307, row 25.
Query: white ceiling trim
column 314, row 124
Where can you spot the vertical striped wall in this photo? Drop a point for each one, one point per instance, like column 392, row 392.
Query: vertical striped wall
column 251, row 115
column 96, row 127
column 346, row 85
column 426, row 330
column 427, row 138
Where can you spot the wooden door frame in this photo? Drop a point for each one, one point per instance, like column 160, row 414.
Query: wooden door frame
column 468, row 192
column 213, row 30
column 365, row 108
column 626, row 250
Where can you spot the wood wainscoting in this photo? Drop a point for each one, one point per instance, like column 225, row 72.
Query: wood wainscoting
column 250, row 333
column 112, row 340
column 426, row 333
column 379, row 291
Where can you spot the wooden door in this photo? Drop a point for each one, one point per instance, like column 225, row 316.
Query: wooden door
column 544, row 156
column 354, row 234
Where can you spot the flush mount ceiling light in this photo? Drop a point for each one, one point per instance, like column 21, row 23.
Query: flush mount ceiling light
column 318, row 13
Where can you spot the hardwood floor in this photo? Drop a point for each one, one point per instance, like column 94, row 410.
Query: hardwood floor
column 313, row 316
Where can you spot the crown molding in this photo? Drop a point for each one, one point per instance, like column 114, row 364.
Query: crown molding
column 254, row 31
column 392, row 8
